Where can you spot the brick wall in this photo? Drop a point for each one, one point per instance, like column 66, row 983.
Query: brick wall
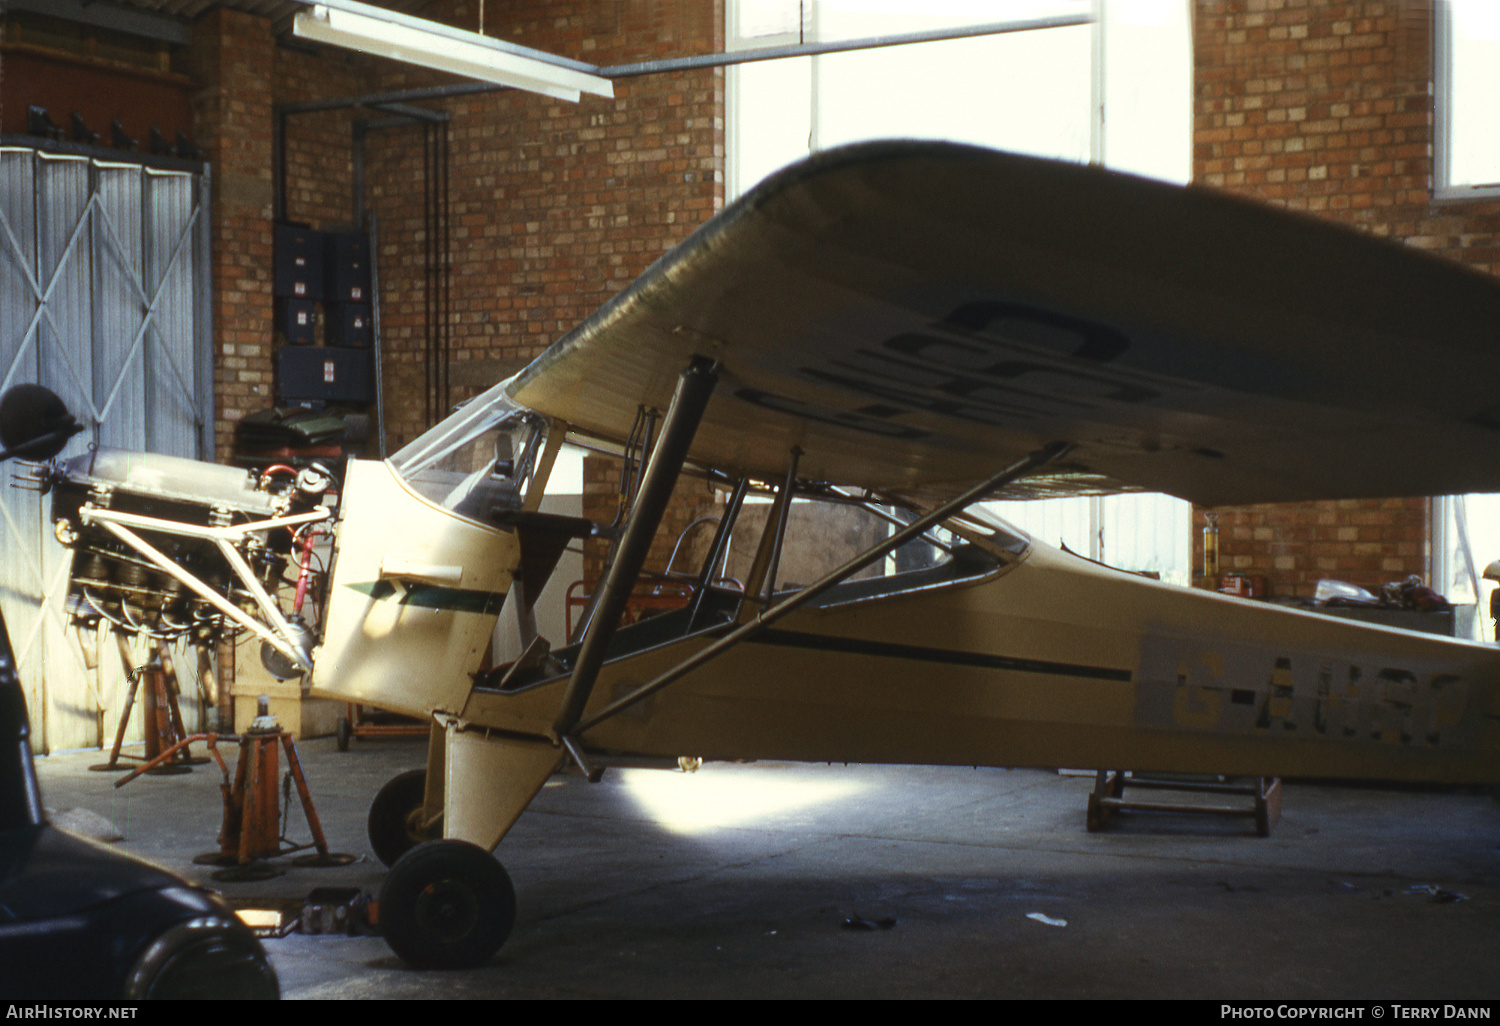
column 1326, row 107
column 242, row 74
column 554, row 206
column 1295, row 546
column 693, row 499
column 233, row 60
column 319, row 146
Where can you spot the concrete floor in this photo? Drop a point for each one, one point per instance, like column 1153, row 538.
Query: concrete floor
column 736, row 881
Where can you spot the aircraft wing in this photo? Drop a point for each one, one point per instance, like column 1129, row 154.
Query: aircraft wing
column 914, row 315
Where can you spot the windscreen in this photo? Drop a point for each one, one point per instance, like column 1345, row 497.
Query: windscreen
column 477, row 461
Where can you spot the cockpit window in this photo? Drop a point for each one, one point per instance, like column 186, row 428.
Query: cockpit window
column 477, row 461
column 821, row 535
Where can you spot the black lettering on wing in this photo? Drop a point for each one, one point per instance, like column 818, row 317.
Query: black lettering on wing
column 1097, row 343
column 911, row 399
column 1058, row 382
column 870, row 419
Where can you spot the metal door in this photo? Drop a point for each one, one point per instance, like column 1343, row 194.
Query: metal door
column 104, row 281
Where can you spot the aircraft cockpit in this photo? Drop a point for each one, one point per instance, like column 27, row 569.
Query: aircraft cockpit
column 431, row 543
column 477, row 462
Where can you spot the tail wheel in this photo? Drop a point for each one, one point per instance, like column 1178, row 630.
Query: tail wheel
column 447, row 905
column 395, row 821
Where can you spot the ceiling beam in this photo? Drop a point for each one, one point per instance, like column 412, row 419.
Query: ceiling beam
column 129, row 20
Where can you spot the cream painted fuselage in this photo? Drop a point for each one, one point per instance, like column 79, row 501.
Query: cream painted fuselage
column 1036, row 659
column 1051, row 660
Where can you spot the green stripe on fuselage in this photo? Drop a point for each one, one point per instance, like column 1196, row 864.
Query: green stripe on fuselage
column 432, row 596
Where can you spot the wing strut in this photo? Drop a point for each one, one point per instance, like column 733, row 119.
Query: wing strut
column 778, row 537
column 694, row 386
column 716, row 553
column 916, row 528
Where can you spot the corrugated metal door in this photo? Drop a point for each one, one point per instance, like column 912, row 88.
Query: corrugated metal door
column 103, row 299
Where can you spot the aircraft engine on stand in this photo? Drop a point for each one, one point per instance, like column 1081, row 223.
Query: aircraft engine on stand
column 175, row 548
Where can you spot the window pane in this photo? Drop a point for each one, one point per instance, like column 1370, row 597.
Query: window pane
column 1474, row 93
column 1148, row 88
column 1027, row 92
column 753, row 21
column 771, row 118
column 1056, row 522
column 1466, row 539
column 1150, row 533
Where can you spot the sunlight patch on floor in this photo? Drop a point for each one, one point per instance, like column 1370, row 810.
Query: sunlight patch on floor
column 696, row 803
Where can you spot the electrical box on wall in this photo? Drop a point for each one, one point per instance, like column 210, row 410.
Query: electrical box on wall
column 346, row 274
column 349, row 324
column 297, row 263
column 298, row 320
column 325, row 374
column 334, row 363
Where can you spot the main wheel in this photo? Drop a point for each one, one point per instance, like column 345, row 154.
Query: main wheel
column 447, row 905
column 395, row 821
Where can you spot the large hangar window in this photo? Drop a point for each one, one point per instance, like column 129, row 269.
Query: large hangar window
column 1465, row 540
column 1467, row 94
column 1115, row 90
column 1466, row 166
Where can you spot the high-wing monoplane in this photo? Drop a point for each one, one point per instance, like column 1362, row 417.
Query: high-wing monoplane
column 901, row 331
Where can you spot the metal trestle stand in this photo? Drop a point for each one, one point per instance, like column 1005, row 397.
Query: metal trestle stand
column 161, row 716
column 1108, row 797
column 252, row 829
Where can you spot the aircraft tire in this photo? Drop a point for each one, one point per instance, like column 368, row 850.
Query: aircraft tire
column 447, row 905
column 394, row 817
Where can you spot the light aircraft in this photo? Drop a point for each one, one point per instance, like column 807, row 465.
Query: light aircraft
column 909, row 329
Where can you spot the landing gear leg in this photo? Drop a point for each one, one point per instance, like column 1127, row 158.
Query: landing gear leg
column 449, row 904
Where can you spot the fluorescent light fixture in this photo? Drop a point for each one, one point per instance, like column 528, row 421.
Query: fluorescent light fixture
column 401, row 38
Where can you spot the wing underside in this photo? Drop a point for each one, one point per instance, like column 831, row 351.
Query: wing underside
column 913, row 315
